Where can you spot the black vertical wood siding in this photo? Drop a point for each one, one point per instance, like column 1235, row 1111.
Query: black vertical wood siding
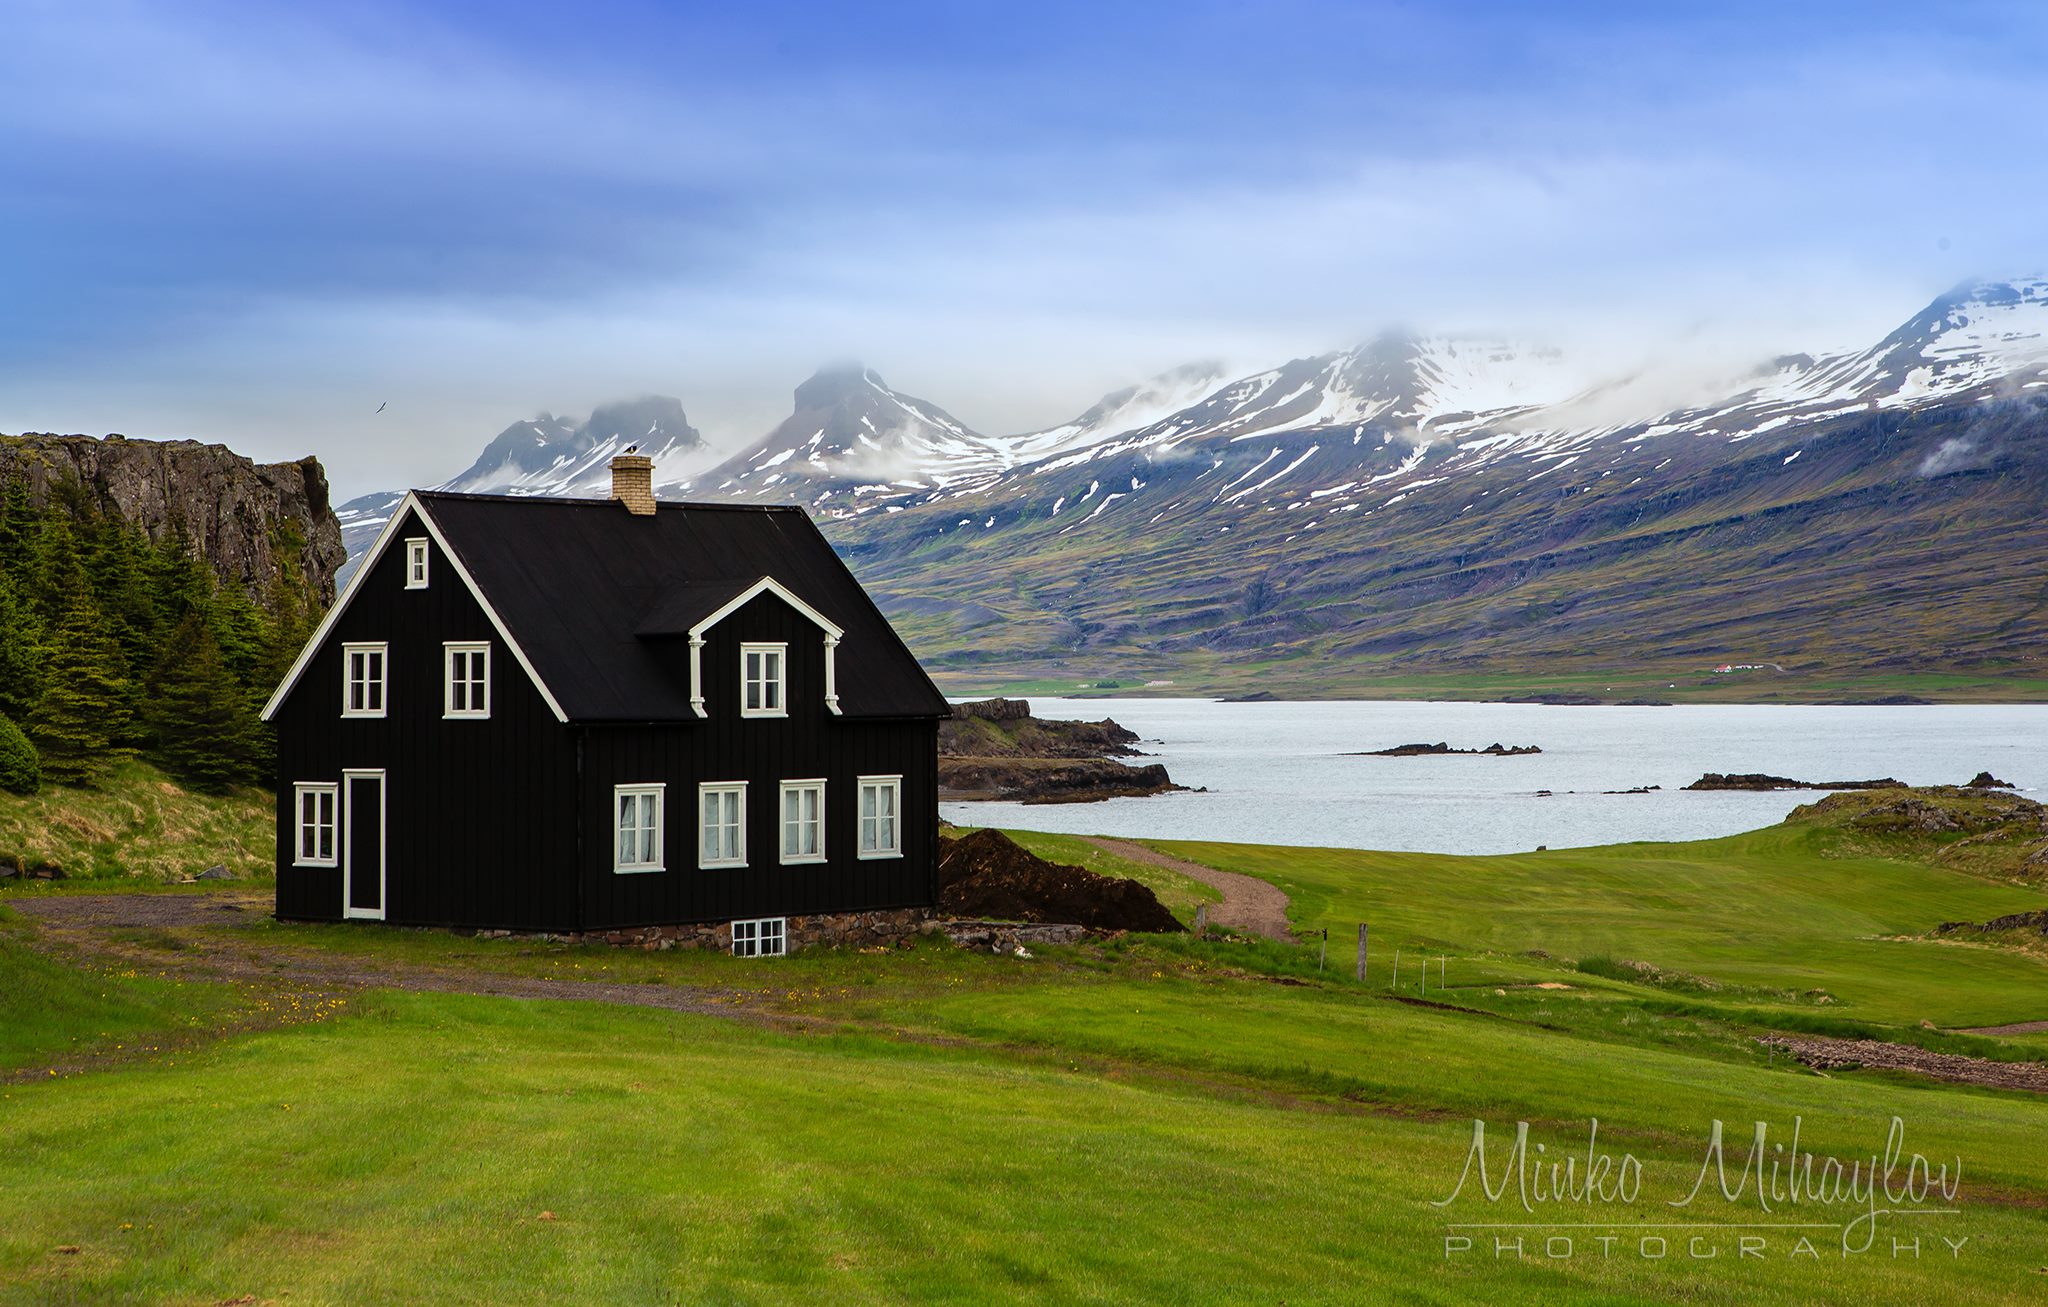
column 763, row 752
column 484, row 819
column 479, row 814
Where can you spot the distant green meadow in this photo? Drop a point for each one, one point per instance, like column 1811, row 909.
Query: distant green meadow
column 1151, row 1119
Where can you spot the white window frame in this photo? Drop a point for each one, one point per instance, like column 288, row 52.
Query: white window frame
column 738, row 856
column 762, row 937
column 349, row 654
column 782, row 822
column 894, row 785
column 779, row 683
column 416, row 563
column 656, row 791
column 331, row 792
column 465, row 650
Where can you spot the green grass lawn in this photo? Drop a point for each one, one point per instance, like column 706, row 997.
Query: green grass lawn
column 1779, row 913
column 1159, row 1119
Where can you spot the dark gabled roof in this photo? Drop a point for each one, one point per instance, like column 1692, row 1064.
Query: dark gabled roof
column 582, row 585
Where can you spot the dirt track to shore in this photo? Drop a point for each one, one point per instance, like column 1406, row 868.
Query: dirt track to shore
column 1249, row 904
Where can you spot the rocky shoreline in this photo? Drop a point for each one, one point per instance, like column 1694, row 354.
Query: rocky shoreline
column 994, row 749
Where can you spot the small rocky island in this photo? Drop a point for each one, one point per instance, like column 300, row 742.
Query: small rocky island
column 1495, row 750
column 1714, row 780
column 995, row 749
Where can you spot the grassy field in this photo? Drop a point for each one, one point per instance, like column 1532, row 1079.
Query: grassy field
column 1143, row 1119
column 141, row 823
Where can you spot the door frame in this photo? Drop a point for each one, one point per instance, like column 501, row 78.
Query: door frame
column 348, row 844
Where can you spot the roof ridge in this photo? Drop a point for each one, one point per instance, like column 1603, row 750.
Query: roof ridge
column 586, row 501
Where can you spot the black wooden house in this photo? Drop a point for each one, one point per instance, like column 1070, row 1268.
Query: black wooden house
column 585, row 715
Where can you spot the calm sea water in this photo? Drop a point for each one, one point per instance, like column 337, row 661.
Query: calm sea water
column 1276, row 773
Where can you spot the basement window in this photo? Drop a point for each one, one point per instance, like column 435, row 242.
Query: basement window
column 881, row 801
column 803, row 821
column 762, row 680
column 362, row 680
column 636, row 828
column 765, row 938
column 315, row 803
column 416, row 564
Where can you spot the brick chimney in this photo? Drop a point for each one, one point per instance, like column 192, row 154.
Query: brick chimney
column 633, row 483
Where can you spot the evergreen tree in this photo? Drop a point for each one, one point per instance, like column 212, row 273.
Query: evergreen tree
column 82, row 712
column 200, row 718
column 21, row 771
column 20, row 673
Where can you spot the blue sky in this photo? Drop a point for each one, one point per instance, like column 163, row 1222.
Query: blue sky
column 256, row 223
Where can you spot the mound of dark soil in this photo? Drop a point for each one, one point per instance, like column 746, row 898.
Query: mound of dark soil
column 987, row 874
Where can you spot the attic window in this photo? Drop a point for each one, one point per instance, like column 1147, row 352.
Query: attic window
column 416, row 564
column 762, row 680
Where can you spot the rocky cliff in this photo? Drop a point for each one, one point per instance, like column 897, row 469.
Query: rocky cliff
column 251, row 521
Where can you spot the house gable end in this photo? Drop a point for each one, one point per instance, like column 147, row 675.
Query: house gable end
column 408, row 521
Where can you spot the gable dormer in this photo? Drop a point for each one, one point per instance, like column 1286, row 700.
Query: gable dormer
column 771, row 677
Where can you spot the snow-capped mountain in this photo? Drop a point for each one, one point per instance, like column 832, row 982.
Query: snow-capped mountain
column 550, row 455
column 850, row 432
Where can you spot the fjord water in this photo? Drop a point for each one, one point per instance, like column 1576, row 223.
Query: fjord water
column 1276, row 772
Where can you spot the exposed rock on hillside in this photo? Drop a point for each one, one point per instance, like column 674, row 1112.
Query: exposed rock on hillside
column 251, row 521
column 1982, row 831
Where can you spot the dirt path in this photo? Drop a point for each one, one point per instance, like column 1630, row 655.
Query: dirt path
column 94, row 924
column 1249, row 903
column 1825, row 1054
column 2016, row 1028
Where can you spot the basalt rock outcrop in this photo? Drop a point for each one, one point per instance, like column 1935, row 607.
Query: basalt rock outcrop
column 252, row 522
column 995, row 749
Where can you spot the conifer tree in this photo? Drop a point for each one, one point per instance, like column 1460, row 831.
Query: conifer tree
column 81, row 714
column 199, row 714
column 20, row 674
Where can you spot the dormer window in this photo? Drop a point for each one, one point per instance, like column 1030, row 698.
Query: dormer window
column 763, row 688
column 416, row 564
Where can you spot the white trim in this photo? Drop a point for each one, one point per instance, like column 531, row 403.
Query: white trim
column 350, row 650
column 705, row 790
column 349, row 912
column 300, row 791
column 416, row 554
column 782, row 823
column 832, row 674
column 780, row 681
column 895, row 785
column 766, row 585
column 411, row 503
column 659, row 791
column 760, row 936
column 450, row 648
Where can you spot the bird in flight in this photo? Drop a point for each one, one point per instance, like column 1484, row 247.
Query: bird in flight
column 380, row 408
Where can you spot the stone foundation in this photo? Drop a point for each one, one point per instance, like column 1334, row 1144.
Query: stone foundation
column 833, row 929
column 849, row 929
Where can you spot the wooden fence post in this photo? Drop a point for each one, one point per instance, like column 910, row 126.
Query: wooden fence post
column 1201, row 920
column 1362, row 941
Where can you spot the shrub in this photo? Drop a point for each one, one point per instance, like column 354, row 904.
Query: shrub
column 21, row 771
